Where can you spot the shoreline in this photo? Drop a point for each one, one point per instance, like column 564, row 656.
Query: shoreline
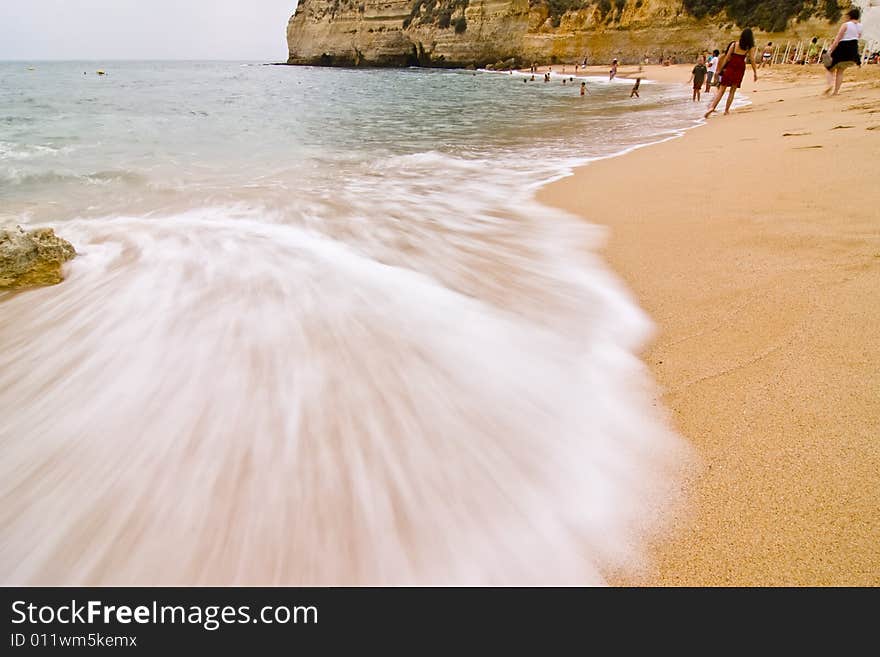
column 762, row 280
column 456, row 323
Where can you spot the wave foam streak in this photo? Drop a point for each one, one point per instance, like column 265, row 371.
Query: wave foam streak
column 319, row 397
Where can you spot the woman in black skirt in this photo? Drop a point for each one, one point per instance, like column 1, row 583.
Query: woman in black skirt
column 844, row 51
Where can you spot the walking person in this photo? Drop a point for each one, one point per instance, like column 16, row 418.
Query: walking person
column 844, row 51
column 733, row 66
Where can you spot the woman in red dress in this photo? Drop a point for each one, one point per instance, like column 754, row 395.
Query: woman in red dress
column 733, row 66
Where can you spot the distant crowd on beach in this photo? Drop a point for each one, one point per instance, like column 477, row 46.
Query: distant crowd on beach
column 724, row 68
column 547, row 76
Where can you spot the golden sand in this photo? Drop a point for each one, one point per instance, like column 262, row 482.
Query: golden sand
column 754, row 243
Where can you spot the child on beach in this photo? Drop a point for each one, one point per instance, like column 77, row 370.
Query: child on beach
column 698, row 75
column 583, row 88
column 635, row 89
column 613, row 70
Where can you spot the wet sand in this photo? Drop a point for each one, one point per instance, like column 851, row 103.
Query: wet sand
column 754, row 243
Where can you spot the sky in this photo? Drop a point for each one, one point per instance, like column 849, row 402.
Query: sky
column 168, row 29
column 144, row 29
column 870, row 19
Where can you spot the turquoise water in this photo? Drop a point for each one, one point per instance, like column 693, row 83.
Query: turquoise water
column 319, row 330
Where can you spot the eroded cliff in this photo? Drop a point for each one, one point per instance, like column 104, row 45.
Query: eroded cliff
column 481, row 32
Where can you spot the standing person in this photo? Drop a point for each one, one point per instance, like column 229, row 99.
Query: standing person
column 712, row 68
column 613, row 70
column 635, row 89
column 697, row 77
column 767, row 55
column 733, row 67
column 844, row 51
column 583, row 88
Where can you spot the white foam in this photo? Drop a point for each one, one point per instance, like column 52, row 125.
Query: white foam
column 392, row 371
column 231, row 399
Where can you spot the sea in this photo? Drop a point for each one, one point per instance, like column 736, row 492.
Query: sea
column 319, row 331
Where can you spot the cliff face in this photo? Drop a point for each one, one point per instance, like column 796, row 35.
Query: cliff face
column 386, row 32
column 482, row 32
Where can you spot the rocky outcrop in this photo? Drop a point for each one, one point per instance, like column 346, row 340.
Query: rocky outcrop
column 32, row 258
column 479, row 32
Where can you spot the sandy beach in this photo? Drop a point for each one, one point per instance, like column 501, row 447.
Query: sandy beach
column 754, row 244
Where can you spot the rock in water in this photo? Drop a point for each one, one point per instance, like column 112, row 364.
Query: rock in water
column 32, row 258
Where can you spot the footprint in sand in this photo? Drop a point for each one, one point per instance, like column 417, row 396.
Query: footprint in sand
column 842, row 127
column 800, row 148
column 867, row 108
column 795, row 134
